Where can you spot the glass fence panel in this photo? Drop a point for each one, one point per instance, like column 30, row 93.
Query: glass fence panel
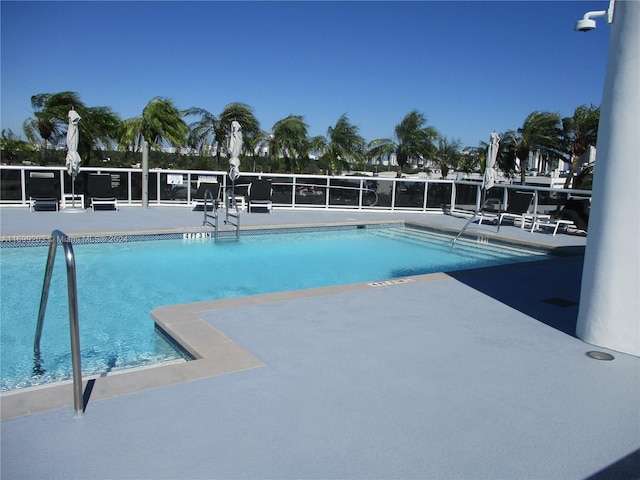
column 240, row 187
column 153, row 186
column 383, row 190
column 409, row 194
column 370, row 193
column 550, row 201
column 495, row 193
column 203, row 178
column 120, row 185
column 11, row 185
column 174, row 187
column 344, row 192
column 439, row 195
column 466, row 197
column 495, row 197
column 136, row 186
column 311, row 191
column 282, row 190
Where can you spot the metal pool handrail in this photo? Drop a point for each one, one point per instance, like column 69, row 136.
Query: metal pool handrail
column 214, row 209
column 475, row 214
column 72, row 291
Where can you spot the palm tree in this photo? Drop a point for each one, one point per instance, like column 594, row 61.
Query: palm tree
column 579, row 133
column 98, row 125
column 50, row 118
column 414, row 140
column 209, row 130
column 161, row 122
column 343, row 145
column 202, row 132
column 243, row 114
column 540, row 131
column 474, row 157
column 12, row 146
column 290, row 141
column 447, row 154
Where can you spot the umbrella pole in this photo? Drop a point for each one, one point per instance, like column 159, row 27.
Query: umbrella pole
column 233, row 191
column 73, row 191
column 483, row 198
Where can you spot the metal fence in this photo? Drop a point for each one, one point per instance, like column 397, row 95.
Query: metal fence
column 177, row 187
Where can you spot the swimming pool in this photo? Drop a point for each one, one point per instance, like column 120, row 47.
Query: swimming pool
column 120, row 283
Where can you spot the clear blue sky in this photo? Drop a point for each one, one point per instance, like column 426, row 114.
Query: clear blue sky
column 471, row 67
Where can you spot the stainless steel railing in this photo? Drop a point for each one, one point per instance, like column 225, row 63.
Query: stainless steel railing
column 475, row 215
column 58, row 237
column 208, row 195
column 232, row 213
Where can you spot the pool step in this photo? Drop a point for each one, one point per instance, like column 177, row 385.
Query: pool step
column 463, row 247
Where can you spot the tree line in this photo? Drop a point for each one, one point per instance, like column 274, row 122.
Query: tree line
column 199, row 139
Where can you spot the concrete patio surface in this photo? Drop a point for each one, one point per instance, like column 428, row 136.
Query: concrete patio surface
column 467, row 375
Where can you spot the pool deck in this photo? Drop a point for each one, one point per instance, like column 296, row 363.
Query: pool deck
column 467, row 375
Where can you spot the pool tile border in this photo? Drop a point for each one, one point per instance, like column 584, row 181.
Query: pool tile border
column 193, row 233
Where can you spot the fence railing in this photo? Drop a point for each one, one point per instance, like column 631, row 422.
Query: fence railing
column 177, row 187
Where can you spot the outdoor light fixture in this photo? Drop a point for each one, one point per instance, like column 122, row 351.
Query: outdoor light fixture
column 588, row 23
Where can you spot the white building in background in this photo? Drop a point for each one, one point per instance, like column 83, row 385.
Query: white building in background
column 262, row 149
column 587, row 158
column 181, row 151
column 538, row 163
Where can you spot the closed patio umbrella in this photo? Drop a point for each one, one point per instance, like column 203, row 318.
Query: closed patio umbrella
column 73, row 158
column 234, row 146
column 489, row 178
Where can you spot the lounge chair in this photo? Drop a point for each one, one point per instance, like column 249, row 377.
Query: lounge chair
column 576, row 210
column 42, row 191
column 517, row 208
column 101, row 192
column 199, row 197
column 260, row 192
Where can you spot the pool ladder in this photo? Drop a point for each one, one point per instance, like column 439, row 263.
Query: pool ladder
column 72, row 291
column 475, row 215
column 232, row 216
column 214, row 212
column 211, row 218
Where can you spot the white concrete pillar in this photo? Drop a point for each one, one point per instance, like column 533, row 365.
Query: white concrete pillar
column 609, row 314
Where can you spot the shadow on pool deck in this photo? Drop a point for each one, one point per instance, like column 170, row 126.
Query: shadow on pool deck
column 520, row 288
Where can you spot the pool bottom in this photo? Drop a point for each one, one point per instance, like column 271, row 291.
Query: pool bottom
column 167, row 351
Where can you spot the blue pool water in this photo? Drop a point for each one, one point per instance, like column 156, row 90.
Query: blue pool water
column 120, row 283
